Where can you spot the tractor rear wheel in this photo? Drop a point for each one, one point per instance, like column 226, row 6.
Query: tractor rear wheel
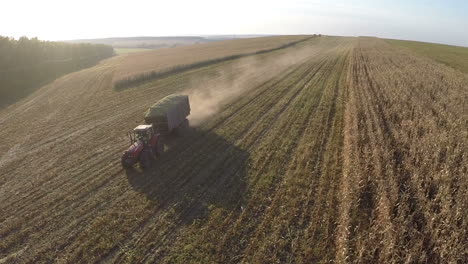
column 159, row 148
column 145, row 160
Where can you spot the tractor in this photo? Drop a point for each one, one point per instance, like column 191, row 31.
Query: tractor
column 145, row 145
column 163, row 118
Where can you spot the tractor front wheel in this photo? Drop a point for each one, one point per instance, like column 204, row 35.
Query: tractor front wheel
column 126, row 165
column 126, row 161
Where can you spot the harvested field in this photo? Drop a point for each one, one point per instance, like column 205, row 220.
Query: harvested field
column 405, row 159
column 333, row 150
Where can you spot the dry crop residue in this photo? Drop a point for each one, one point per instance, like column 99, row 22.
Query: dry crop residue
column 333, row 150
column 405, row 162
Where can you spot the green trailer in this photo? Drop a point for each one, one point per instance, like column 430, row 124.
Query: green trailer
column 169, row 113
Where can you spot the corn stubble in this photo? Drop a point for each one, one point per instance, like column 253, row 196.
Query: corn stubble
column 353, row 152
column 404, row 177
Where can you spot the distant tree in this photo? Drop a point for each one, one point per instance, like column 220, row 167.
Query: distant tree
column 29, row 63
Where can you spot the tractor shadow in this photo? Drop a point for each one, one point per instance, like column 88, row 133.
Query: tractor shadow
column 198, row 170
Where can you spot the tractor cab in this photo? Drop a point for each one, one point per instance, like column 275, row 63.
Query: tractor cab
column 142, row 133
column 144, row 146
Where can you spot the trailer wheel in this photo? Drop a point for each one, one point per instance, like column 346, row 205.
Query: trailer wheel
column 182, row 129
column 185, row 124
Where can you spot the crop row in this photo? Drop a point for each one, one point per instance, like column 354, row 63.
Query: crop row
column 404, row 159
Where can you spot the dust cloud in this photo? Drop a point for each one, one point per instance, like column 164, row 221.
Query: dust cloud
column 208, row 94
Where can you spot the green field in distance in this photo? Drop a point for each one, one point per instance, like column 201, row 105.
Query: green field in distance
column 453, row 56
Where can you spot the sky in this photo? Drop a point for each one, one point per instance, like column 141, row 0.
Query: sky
column 431, row 20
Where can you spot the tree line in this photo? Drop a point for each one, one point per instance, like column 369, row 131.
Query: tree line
column 28, row 63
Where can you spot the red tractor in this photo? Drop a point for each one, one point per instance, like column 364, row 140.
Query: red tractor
column 167, row 115
column 144, row 146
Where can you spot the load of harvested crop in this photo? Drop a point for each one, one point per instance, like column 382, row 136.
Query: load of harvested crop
column 168, row 113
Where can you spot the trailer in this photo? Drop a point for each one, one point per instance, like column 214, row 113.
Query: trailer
column 169, row 114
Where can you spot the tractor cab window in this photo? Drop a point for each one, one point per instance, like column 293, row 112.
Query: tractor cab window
column 141, row 135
